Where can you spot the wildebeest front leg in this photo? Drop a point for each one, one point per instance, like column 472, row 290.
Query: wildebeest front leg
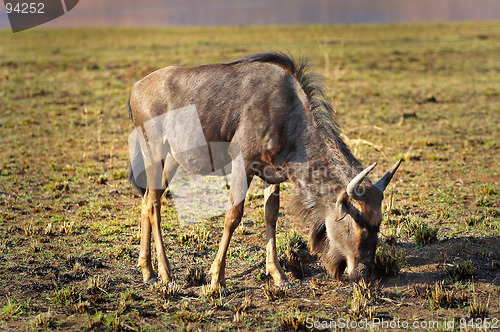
column 272, row 205
column 232, row 220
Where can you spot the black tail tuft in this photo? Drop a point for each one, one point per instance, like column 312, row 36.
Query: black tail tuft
column 134, row 181
column 129, row 110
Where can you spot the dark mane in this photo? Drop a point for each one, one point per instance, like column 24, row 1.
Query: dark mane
column 322, row 111
column 305, row 206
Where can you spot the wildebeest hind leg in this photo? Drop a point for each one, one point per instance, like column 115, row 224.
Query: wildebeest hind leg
column 151, row 221
column 148, row 273
column 164, row 270
column 272, row 205
column 154, row 207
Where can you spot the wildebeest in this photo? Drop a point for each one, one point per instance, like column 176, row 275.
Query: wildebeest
column 278, row 126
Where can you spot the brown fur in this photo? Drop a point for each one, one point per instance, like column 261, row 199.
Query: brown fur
column 276, row 113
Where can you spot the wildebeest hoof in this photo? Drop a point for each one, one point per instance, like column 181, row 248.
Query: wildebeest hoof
column 219, row 290
column 284, row 285
column 171, row 285
column 152, row 280
column 223, row 292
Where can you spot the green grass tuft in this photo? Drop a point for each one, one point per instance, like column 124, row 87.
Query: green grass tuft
column 388, row 260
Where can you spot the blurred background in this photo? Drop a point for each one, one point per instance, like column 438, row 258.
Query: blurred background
column 97, row 13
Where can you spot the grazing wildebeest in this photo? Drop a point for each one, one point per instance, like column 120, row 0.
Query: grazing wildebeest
column 271, row 109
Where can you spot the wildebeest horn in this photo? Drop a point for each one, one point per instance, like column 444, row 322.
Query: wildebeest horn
column 384, row 181
column 352, row 187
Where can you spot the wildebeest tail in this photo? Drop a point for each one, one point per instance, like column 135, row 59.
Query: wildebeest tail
column 129, row 110
column 137, row 171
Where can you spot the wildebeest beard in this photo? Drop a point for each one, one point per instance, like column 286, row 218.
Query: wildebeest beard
column 335, row 263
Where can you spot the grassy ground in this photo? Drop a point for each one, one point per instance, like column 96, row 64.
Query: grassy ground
column 427, row 93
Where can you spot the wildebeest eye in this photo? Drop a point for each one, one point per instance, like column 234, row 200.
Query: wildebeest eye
column 359, row 218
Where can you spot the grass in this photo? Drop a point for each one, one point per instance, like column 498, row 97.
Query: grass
column 422, row 232
column 478, row 309
column 66, row 296
column 388, row 260
column 11, row 309
column 195, row 276
column 170, row 290
column 461, row 271
column 294, row 321
column 294, row 253
column 43, row 320
column 441, row 297
column 427, row 93
column 359, row 303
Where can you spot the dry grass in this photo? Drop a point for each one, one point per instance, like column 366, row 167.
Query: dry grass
column 170, row 290
column 359, row 303
column 478, row 309
column 273, row 293
column 440, row 297
column 195, row 276
column 294, row 322
column 43, row 320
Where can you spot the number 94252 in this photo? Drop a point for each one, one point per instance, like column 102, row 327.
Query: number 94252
column 479, row 323
column 25, row 8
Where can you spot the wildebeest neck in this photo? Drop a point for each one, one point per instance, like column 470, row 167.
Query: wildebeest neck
column 327, row 170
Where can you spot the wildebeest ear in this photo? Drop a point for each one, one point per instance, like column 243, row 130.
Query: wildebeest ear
column 342, row 207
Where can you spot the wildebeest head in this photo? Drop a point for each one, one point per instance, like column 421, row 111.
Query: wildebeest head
column 352, row 226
